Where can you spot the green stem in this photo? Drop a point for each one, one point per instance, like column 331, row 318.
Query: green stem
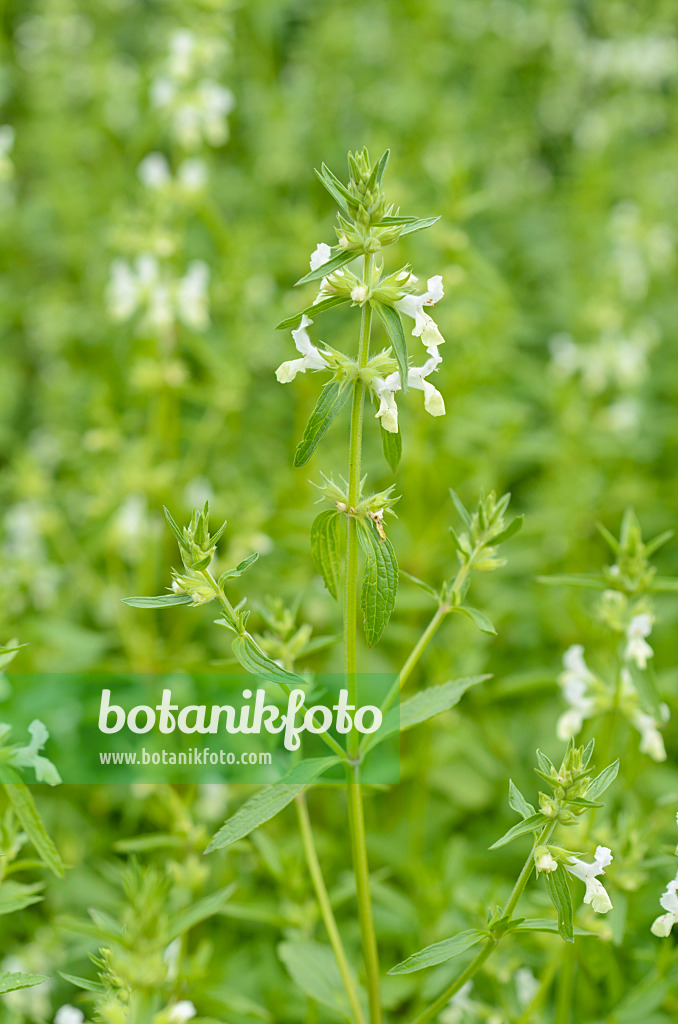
column 493, row 940
column 326, row 907
column 354, row 795
column 415, row 654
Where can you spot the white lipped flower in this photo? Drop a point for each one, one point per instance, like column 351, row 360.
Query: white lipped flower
column 575, row 682
column 154, row 171
column 192, row 302
column 311, row 359
column 197, row 114
column 544, row 862
column 424, row 325
column 637, row 648
column 385, row 389
column 68, row 1014
column 182, row 1012
column 145, row 287
column 321, row 255
column 662, row 925
column 588, row 873
column 651, row 740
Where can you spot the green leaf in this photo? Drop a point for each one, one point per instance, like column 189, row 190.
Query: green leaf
column 313, row 968
column 479, row 618
column 589, row 582
column 538, row 925
column 240, row 568
column 392, row 447
column 511, row 530
column 439, row 952
column 200, row 911
column 381, row 166
column 336, row 263
column 84, row 983
column 463, row 514
column 602, row 781
column 518, row 803
column 559, row 890
column 421, row 584
column 16, row 896
column 162, row 601
column 326, row 538
column 10, row 981
column 422, row 706
column 268, row 802
column 24, row 807
column 255, row 661
column 419, row 224
column 380, row 581
column 531, row 824
column 390, row 318
column 176, row 530
column 333, row 398
column 317, row 307
column 336, row 188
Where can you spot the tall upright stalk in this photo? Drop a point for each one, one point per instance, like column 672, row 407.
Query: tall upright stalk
column 356, row 815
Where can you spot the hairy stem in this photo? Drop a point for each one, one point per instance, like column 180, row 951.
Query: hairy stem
column 354, row 796
column 326, row 908
column 492, row 941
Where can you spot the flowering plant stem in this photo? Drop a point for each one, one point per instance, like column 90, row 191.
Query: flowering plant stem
column 326, row 907
column 356, row 817
column 493, row 941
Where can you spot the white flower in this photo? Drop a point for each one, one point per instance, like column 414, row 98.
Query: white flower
column 69, row 1015
column 182, row 46
column 321, row 255
column 359, row 293
column 154, row 171
column 311, row 357
column 663, row 924
column 424, row 326
column 651, row 742
column 544, row 862
column 575, row 682
column 637, row 648
column 182, row 1012
column 595, row 891
column 385, row 389
column 191, row 296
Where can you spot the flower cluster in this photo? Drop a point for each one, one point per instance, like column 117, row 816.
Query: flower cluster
column 366, row 224
column 662, row 925
column 547, row 863
column 194, row 103
column 155, row 173
column 147, row 288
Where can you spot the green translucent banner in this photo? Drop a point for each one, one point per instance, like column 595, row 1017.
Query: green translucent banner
column 126, row 728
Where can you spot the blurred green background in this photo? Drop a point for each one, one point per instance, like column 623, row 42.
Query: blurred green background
column 543, row 133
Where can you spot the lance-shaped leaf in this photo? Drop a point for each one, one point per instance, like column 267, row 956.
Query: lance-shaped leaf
column 602, row 781
column 240, row 568
column 336, row 188
column 24, row 807
column 318, row 307
column 439, row 952
column 518, row 803
column 559, row 890
column 539, row 925
column 15, row 896
column 333, row 398
column 326, row 537
column 380, row 581
column 336, row 263
column 392, row 447
column 531, row 824
column 161, row 601
column 478, row 618
column 11, row 981
column 422, row 706
column 253, row 660
column 268, row 802
column 390, row 318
